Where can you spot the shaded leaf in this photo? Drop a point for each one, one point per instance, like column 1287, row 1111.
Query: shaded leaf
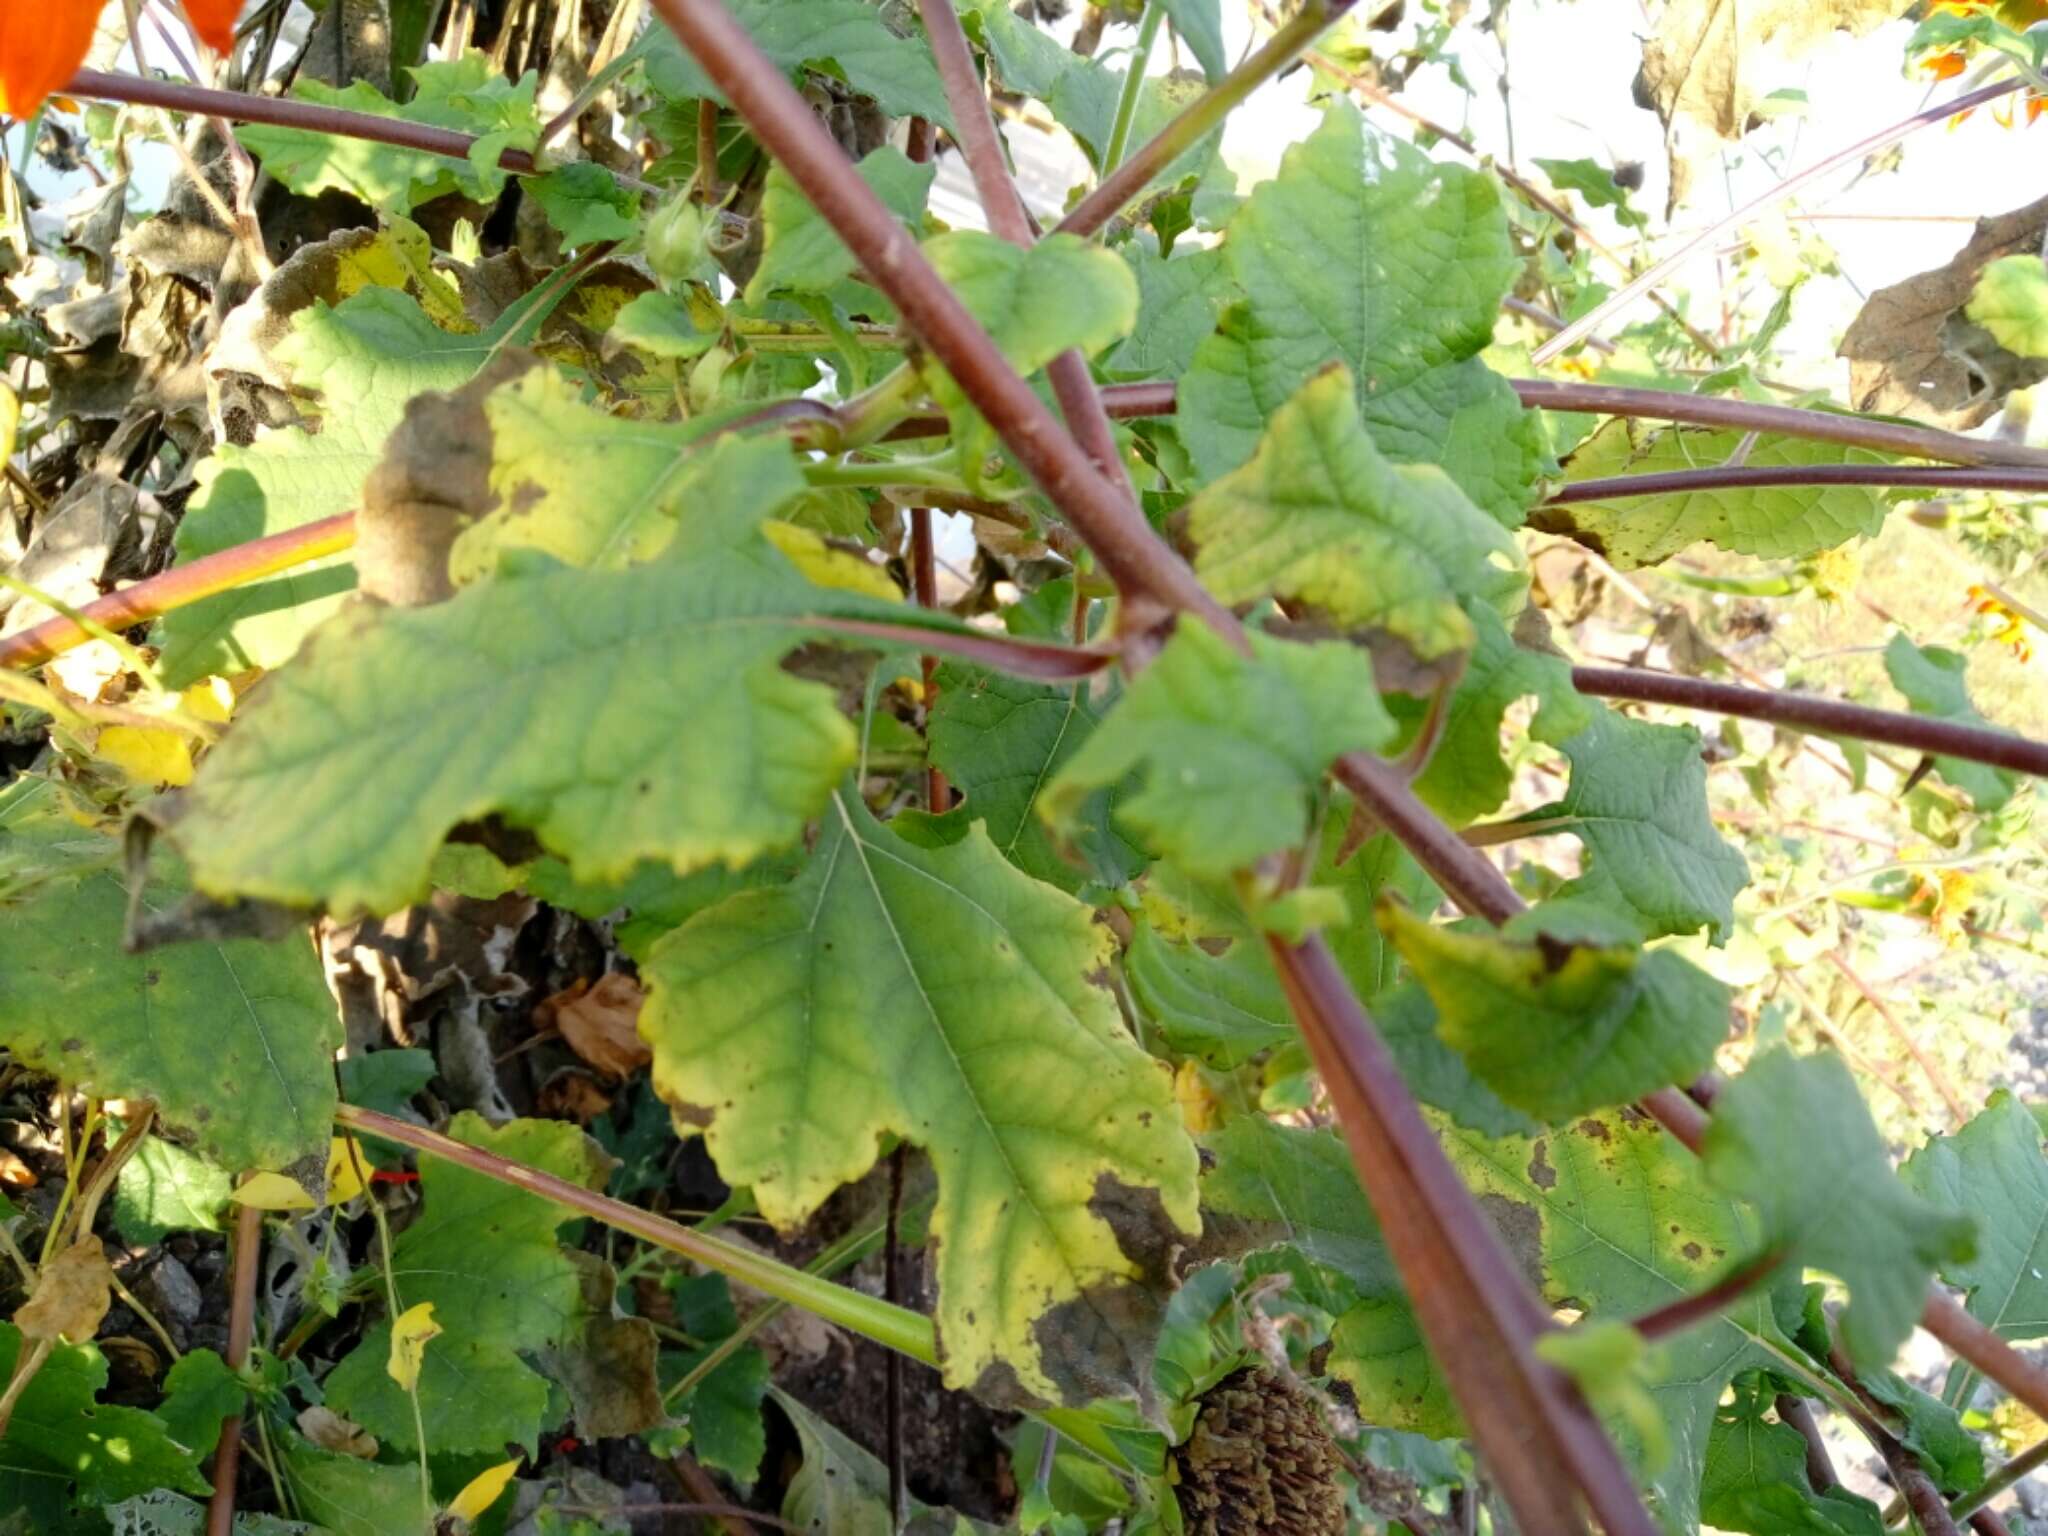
column 174, row 1024
column 98, row 1453
column 200, row 1394
column 1755, row 1477
column 586, row 203
column 940, row 995
column 1179, row 302
column 2011, row 302
column 484, row 1256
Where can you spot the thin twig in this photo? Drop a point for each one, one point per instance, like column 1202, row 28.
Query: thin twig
column 1677, row 1316
column 729, row 1517
column 1685, row 482
column 1596, row 318
column 1820, row 1467
column 1958, row 1110
column 227, row 1456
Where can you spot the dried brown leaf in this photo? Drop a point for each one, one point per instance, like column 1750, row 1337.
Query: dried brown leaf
column 601, row 1023
column 331, row 1432
column 72, row 1295
column 1913, row 352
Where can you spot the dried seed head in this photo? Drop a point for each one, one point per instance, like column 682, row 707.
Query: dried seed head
column 1259, row 1463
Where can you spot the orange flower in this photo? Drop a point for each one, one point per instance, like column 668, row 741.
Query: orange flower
column 43, row 44
column 1945, row 66
column 41, row 47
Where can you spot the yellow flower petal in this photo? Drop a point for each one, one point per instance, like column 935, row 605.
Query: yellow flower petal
column 409, row 1336
column 273, row 1192
column 482, row 1491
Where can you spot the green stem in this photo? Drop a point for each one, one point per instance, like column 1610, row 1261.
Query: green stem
column 892, row 1327
column 930, row 474
column 1134, row 86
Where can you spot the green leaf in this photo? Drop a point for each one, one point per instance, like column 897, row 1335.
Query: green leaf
column 1931, row 1430
column 800, row 253
column 1000, row 740
column 1179, row 302
column 622, row 715
column 2011, row 302
column 1037, row 301
column 1557, row 1026
column 98, row 1453
column 1755, row 1477
column 1933, row 680
column 1227, row 747
column 1365, row 252
column 1618, row 1219
column 843, row 1490
column 1993, row 1171
column 940, row 995
column 1467, row 777
column 172, row 1514
column 1225, row 1008
column 1200, row 25
column 348, row 1496
column 663, row 325
column 364, row 358
column 162, row 1188
column 1638, row 802
column 201, row 1393
column 1377, row 1348
column 1596, row 184
column 586, row 203
column 179, row 1024
column 1775, row 522
column 843, row 38
column 1793, row 1137
column 464, row 94
column 1319, row 516
column 1293, row 1185
column 589, row 488
column 485, row 1254
column 724, row 1409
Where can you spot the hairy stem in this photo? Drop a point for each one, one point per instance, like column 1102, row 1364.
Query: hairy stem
column 1936, row 481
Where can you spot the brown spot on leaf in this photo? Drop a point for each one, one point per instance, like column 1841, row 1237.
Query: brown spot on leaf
column 1541, row 1174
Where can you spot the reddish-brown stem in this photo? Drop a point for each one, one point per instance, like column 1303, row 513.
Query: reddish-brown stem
column 227, row 1456
column 1676, row 1316
column 710, row 1497
column 1467, row 876
column 1597, row 318
column 1751, row 477
column 924, row 581
column 1008, row 219
column 707, row 151
column 1537, row 1438
column 285, row 112
column 1125, row 401
column 1805, row 711
column 1678, row 1115
column 787, row 128
column 1820, row 1467
column 1877, row 1421
column 181, row 585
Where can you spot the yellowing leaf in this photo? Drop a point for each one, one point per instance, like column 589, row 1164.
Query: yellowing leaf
column 410, row 1334
column 829, row 567
column 274, row 1192
column 348, row 1170
column 211, row 699
column 482, row 1491
column 150, row 755
column 10, row 419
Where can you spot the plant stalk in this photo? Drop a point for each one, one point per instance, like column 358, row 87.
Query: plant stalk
column 1133, row 92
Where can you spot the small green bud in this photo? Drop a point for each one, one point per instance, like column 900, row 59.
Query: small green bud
column 676, row 238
